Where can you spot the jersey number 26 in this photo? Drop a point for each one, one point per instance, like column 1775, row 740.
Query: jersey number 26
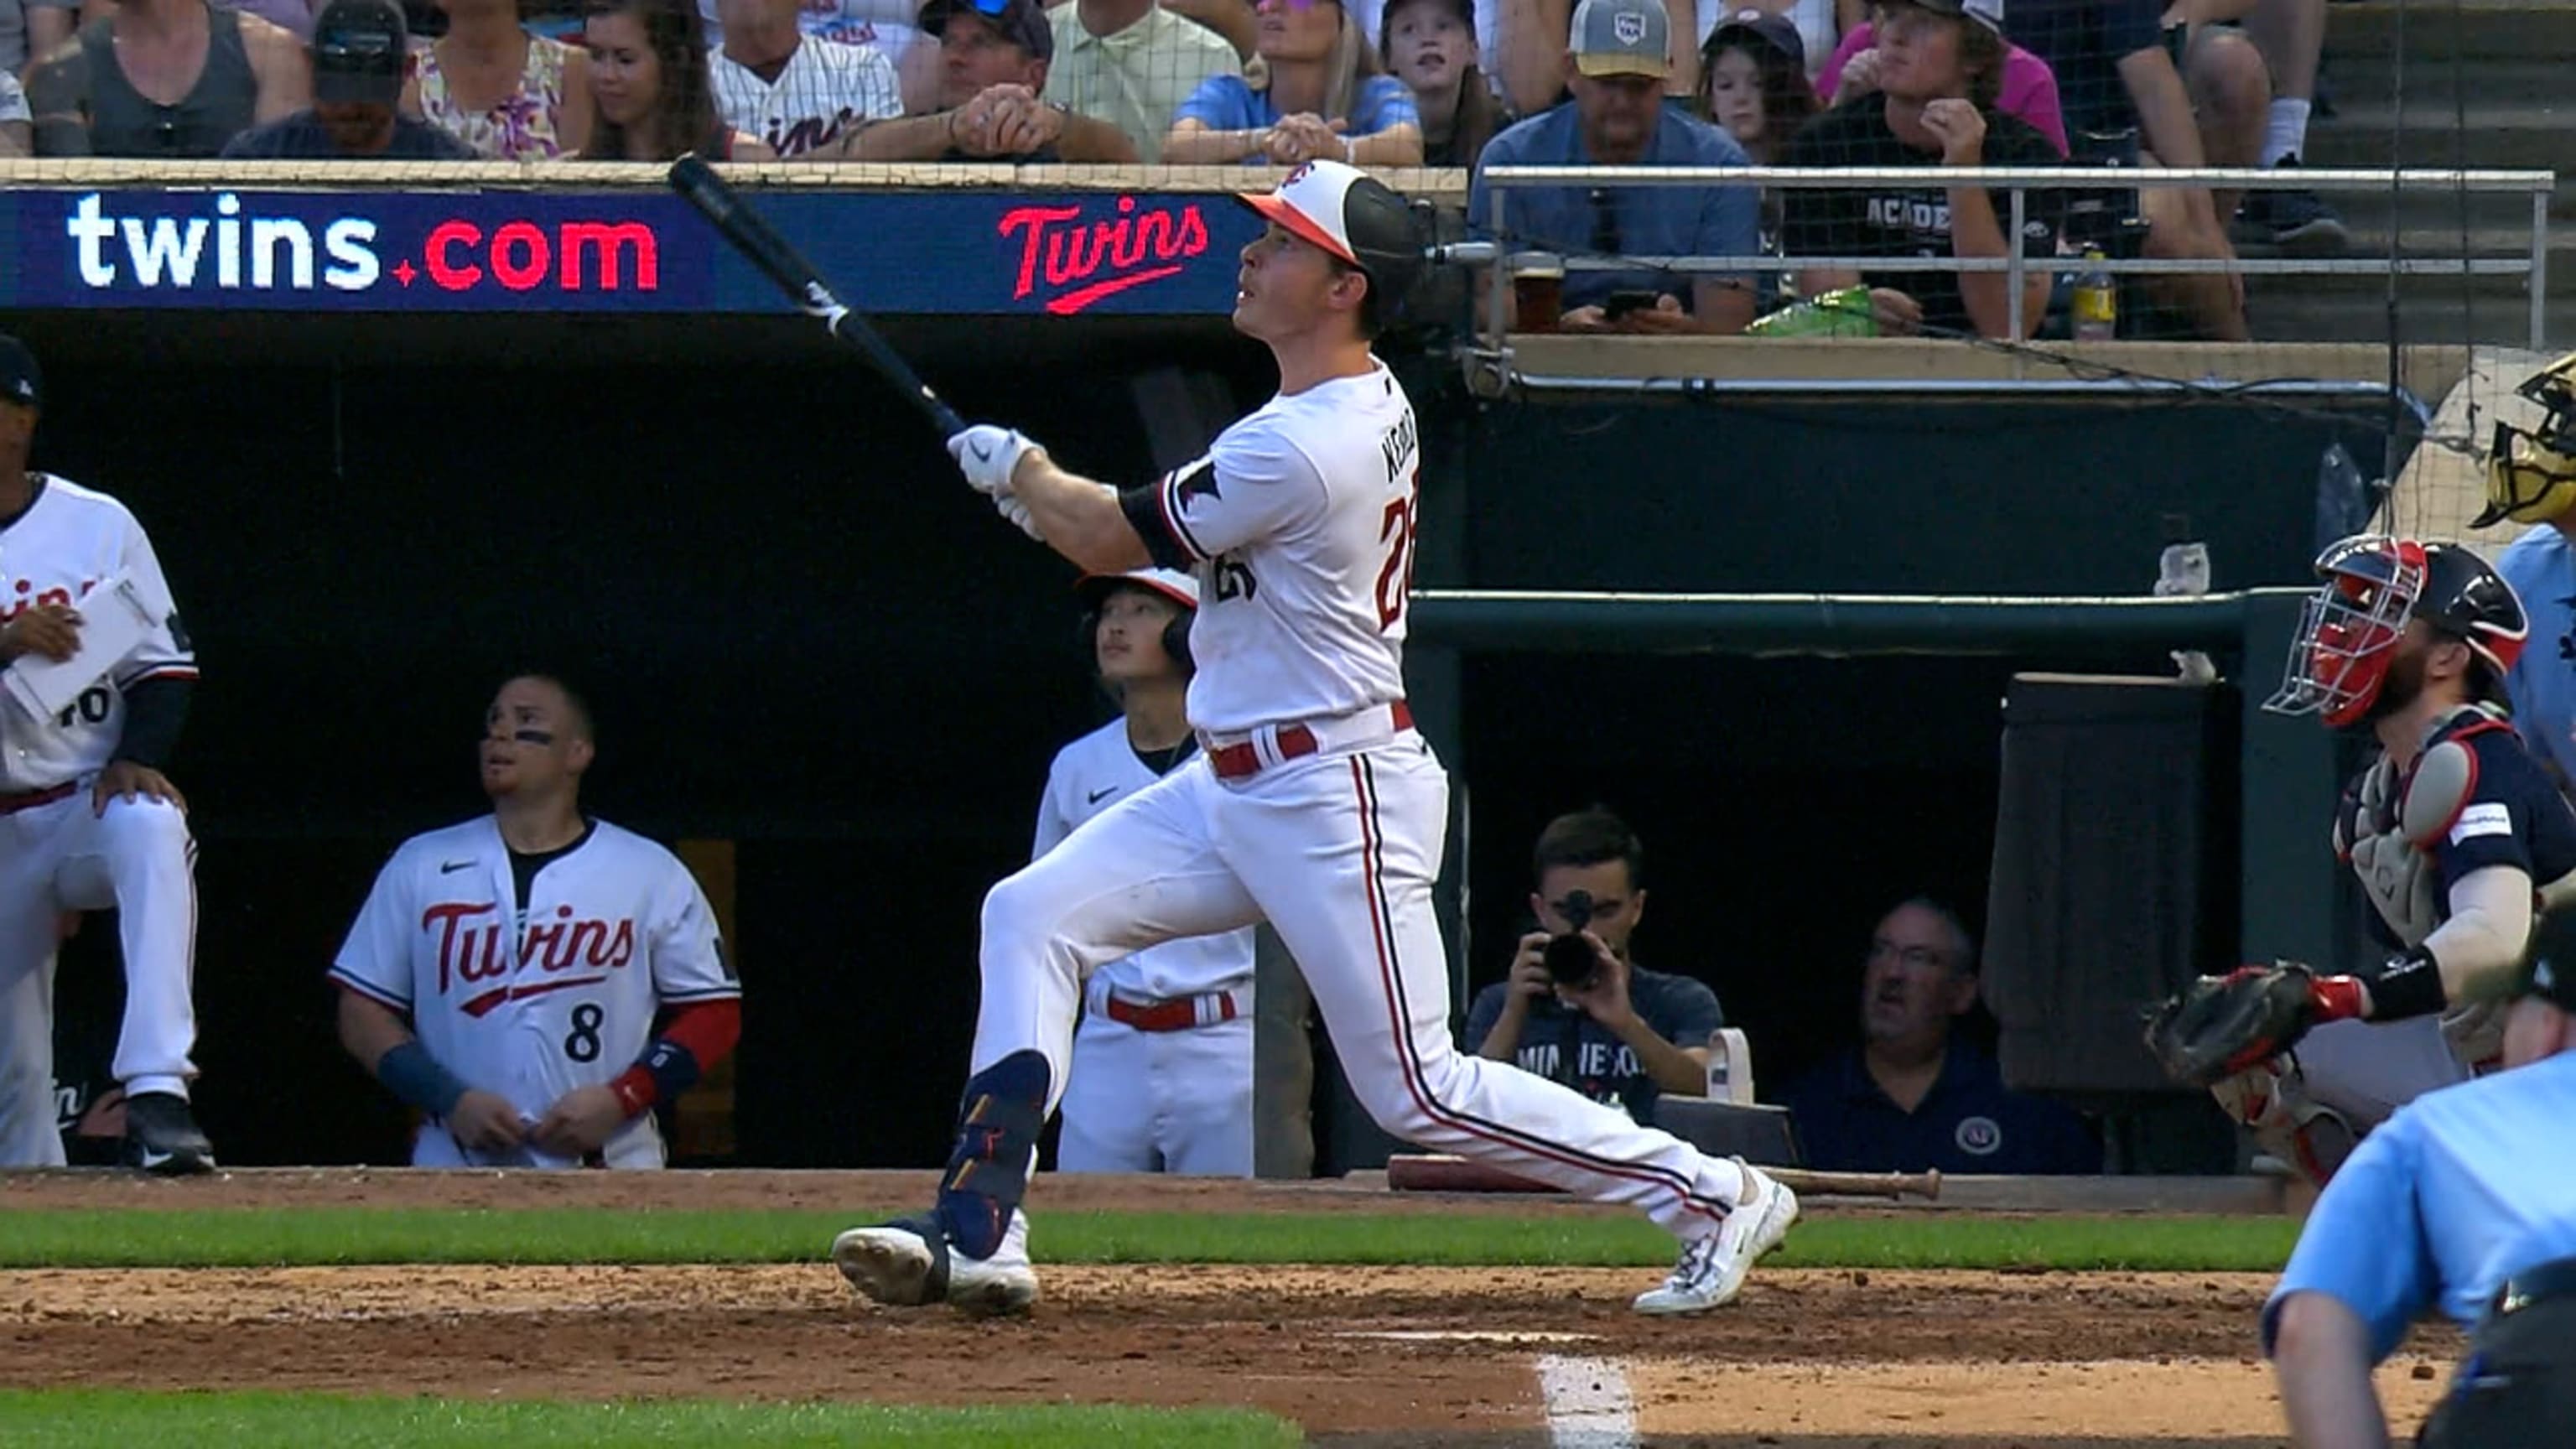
column 1395, row 576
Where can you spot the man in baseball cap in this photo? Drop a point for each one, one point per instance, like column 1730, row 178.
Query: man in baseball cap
column 358, row 54
column 994, row 56
column 1618, row 60
column 1355, row 220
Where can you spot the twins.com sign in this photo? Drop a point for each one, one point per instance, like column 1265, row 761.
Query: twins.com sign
column 618, row 250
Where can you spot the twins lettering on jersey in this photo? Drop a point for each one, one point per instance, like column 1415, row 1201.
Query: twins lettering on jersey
column 470, row 950
column 27, row 596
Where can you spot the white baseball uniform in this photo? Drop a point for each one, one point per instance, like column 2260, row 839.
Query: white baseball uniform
column 1175, row 1100
column 58, row 853
column 1315, row 805
column 826, row 90
column 531, row 998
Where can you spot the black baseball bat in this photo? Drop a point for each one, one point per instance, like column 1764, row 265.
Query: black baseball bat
column 700, row 186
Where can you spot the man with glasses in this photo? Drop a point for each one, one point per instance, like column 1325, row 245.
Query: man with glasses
column 993, row 60
column 358, row 48
column 1620, row 53
column 1912, row 1095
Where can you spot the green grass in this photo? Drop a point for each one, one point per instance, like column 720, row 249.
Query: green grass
column 247, row 1237
column 122, row 1418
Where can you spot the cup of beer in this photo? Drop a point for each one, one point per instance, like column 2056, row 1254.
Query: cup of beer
column 1538, row 290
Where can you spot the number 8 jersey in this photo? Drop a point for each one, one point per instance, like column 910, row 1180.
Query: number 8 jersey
column 533, row 998
column 1302, row 593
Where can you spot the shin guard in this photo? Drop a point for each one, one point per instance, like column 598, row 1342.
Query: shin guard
column 997, row 1144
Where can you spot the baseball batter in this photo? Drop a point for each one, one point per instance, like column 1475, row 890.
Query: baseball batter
column 1163, row 1078
column 1313, row 802
column 505, row 974
column 88, row 821
column 2454, row 831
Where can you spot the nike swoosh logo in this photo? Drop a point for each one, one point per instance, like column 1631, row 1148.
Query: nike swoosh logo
column 982, row 453
column 152, row 1159
column 453, row 866
column 1096, row 796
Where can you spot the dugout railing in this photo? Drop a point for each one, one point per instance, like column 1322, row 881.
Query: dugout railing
column 2019, row 182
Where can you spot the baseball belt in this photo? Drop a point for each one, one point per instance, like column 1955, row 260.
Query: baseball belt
column 1176, row 1013
column 1278, row 744
column 12, row 804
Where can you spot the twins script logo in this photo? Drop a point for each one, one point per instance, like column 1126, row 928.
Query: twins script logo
column 23, row 595
column 1074, row 260
column 469, row 950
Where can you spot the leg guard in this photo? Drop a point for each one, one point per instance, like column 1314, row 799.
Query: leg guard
column 2271, row 1101
column 997, row 1144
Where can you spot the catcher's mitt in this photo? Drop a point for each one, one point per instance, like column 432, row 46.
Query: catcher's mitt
column 2224, row 1024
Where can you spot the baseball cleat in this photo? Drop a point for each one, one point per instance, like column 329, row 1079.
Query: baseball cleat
column 894, row 1264
column 161, row 1136
column 1001, row 1284
column 1713, row 1268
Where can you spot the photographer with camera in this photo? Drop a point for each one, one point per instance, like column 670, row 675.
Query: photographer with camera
column 1575, row 1008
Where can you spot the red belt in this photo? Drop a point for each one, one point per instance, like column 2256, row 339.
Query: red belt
column 1234, row 762
column 12, row 804
column 1180, row 1013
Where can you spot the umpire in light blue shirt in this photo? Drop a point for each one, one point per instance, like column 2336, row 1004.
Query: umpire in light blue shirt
column 2531, row 478
column 2465, row 1201
column 1618, row 57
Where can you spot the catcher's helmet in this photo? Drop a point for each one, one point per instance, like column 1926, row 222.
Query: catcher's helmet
column 2531, row 472
column 1353, row 216
column 2373, row 584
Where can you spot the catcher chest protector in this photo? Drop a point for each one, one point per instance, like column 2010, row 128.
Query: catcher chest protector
column 2115, row 876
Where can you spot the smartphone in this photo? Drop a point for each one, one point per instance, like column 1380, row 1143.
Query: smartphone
column 1620, row 304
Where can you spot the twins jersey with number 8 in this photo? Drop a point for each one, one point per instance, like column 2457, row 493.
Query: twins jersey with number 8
column 531, row 999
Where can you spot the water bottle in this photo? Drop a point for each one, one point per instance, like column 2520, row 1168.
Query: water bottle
column 2097, row 300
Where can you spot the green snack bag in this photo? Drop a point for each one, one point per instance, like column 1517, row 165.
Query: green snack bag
column 1842, row 313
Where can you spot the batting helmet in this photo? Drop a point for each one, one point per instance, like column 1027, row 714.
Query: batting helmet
column 1353, row 216
column 2373, row 584
column 2531, row 472
column 1182, row 589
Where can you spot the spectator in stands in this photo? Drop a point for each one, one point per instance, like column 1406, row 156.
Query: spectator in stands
column 1628, row 1035
column 2128, row 102
column 883, row 25
column 1318, row 95
column 1941, row 64
column 508, row 94
column 799, row 95
column 1131, row 63
column 993, row 69
column 165, row 79
column 17, row 123
column 1617, row 63
column 2029, row 88
column 359, row 52
column 2291, row 35
column 1430, row 45
column 1913, row 1095
column 32, row 28
column 649, row 87
column 1753, row 82
column 1528, row 49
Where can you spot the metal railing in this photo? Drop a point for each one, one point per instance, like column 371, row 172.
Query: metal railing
column 2019, row 182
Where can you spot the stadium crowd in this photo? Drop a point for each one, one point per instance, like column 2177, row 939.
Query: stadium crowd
column 1388, row 83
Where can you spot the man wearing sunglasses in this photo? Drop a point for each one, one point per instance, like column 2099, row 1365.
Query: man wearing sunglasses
column 357, row 53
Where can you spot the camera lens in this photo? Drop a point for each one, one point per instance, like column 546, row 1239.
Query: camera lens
column 1570, row 959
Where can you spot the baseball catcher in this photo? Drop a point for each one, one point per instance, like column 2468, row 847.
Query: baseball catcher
column 2456, row 835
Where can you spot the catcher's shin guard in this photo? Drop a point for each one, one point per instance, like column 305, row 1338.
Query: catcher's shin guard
column 2272, row 1102
column 997, row 1146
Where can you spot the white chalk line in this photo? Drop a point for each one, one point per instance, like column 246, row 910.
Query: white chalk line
column 1588, row 1403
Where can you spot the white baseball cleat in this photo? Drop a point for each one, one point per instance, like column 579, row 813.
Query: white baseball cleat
column 1001, row 1284
column 903, row 1265
column 1712, row 1269
column 890, row 1264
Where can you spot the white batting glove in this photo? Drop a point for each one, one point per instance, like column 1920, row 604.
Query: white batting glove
column 1018, row 513
column 988, row 456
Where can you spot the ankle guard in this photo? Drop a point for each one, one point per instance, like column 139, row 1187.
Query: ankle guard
column 997, row 1144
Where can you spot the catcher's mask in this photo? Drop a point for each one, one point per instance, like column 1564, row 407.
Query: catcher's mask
column 2373, row 585
column 2531, row 472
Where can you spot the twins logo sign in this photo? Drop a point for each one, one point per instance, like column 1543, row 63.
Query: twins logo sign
column 362, row 250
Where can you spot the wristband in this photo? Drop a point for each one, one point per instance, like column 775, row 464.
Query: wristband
column 2405, row 986
column 412, row 1074
column 660, row 1075
column 634, row 1091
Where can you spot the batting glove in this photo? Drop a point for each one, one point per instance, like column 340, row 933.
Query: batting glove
column 988, row 456
column 1018, row 513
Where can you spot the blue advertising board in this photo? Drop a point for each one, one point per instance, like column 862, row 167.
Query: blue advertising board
column 365, row 250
